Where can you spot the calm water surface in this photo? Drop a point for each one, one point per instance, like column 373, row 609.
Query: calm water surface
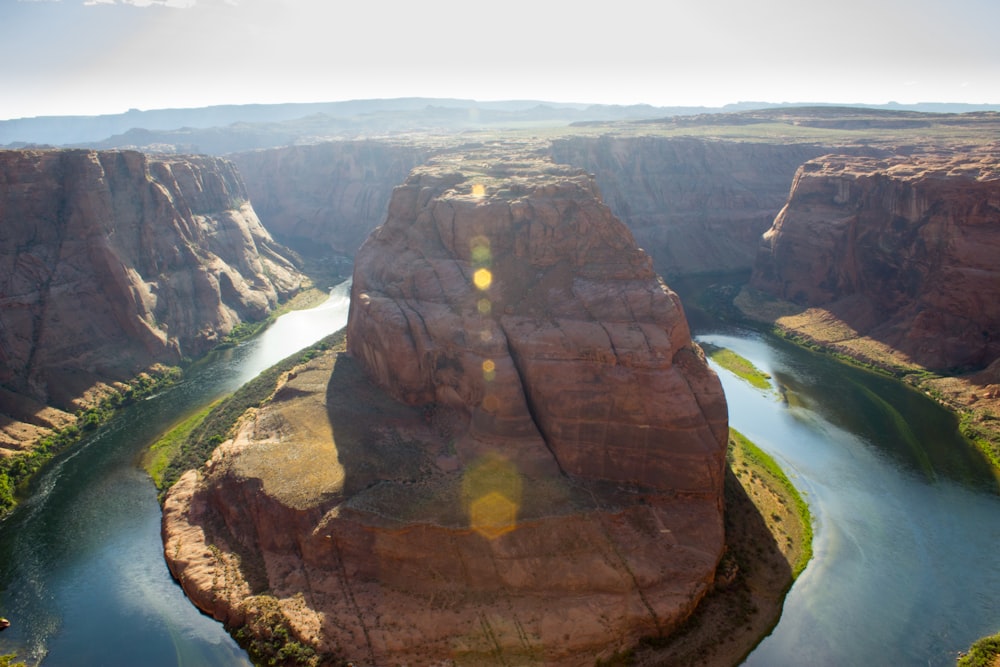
column 82, row 575
column 906, row 570
column 907, row 549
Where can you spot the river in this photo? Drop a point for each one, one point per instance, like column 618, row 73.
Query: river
column 82, row 575
column 907, row 517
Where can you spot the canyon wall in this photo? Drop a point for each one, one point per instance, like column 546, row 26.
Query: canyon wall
column 326, row 198
column 113, row 261
column 903, row 250
column 518, row 460
column 695, row 205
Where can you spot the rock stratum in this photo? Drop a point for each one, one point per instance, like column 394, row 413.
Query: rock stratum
column 326, row 197
column 518, row 459
column 899, row 252
column 695, row 205
column 113, row 261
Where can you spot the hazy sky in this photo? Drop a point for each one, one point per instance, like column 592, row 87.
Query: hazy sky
column 62, row 57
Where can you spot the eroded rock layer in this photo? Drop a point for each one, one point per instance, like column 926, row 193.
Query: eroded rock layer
column 903, row 251
column 519, row 459
column 694, row 205
column 327, row 197
column 112, row 261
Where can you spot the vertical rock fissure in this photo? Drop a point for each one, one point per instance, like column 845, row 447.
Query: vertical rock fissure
column 528, row 400
column 346, row 585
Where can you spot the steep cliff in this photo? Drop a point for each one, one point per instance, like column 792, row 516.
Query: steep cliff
column 113, row 261
column 519, row 459
column 694, row 205
column 326, row 197
column 902, row 250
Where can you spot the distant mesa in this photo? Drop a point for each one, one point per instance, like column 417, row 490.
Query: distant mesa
column 519, row 459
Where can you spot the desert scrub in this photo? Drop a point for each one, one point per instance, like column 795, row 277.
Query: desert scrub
column 190, row 443
column 267, row 639
column 741, row 447
column 737, row 365
column 984, row 653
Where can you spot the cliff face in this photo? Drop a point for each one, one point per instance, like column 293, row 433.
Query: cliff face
column 113, row 261
column 519, row 460
column 694, row 205
column 903, row 250
column 326, row 197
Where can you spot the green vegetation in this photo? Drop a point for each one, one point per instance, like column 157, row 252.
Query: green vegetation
column 979, row 433
column 8, row 661
column 740, row 446
column 984, row 653
column 191, row 442
column 769, row 542
column 168, row 446
column 268, row 640
column 18, row 470
column 737, row 365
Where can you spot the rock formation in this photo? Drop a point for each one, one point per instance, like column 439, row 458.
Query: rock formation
column 326, row 198
column 518, row 460
column 695, row 205
column 902, row 250
column 113, row 261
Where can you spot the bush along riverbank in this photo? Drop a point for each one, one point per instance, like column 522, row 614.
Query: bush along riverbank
column 17, row 470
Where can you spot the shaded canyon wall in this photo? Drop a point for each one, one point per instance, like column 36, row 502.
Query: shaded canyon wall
column 904, row 250
column 113, row 261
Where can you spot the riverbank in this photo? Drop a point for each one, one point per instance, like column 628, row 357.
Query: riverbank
column 769, row 543
column 20, row 461
column 973, row 397
column 768, row 537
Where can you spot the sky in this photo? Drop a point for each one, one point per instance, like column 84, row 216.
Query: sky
column 88, row 57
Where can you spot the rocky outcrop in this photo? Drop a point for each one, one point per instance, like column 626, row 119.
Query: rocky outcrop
column 901, row 250
column 113, row 261
column 326, row 198
column 694, row 205
column 519, row 459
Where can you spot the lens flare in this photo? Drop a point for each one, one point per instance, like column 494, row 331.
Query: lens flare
column 483, row 278
column 485, row 306
column 491, row 491
column 489, row 370
column 478, row 190
column 493, row 515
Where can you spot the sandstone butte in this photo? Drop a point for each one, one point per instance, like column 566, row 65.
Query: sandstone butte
column 519, row 459
column 892, row 259
column 112, row 261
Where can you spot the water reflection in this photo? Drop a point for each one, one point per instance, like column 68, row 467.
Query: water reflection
column 907, row 514
column 82, row 575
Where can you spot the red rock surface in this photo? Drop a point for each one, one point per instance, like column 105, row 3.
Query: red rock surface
column 903, row 250
column 113, row 261
column 527, row 471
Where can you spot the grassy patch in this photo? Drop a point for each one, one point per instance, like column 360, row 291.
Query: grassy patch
column 984, row 653
column 738, row 365
column 168, row 446
column 743, row 450
column 209, row 430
